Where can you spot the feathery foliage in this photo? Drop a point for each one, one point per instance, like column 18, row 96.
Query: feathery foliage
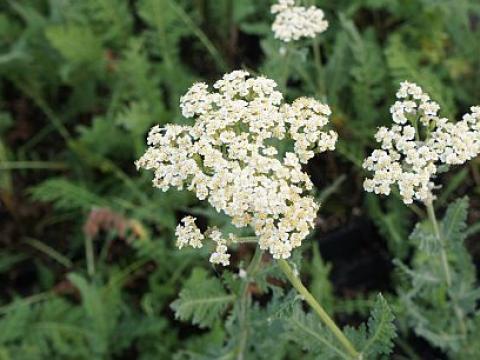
column 427, row 294
column 202, row 300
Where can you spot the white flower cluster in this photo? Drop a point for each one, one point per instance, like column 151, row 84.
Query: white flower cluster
column 419, row 142
column 188, row 234
column 220, row 256
column 294, row 22
column 229, row 156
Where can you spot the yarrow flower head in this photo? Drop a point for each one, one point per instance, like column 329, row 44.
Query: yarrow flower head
column 418, row 145
column 230, row 157
column 296, row 22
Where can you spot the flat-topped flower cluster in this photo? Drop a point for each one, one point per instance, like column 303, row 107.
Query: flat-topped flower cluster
column 230, row 157
column 417, row 144
column 296, row 22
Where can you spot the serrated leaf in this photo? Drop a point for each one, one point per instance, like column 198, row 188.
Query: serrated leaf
column 381, row 330
column 307, row 331
column 320, row 285
column 405, row 64
column 93, row 137
column 368, row 73
column 202, row 299
column 95, row 309
column 454, row 223
column 424, row 237
column 135, row 117
column 77, row 44
column 65, row 195
column 393, row 223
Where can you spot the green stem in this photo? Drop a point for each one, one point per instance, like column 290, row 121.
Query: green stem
column 30, row 165
column 89, row 255
column 319, row 69
column 246, row 239
column 40, row 246
column 26, row 301
column 243, row 304
column 102, row 163
column 417, row 130
column 327, row 320
column 286, row 68
column 436, row 229
column 214, row 53
column 307, row 78
column 446, row 268
column 43, row 105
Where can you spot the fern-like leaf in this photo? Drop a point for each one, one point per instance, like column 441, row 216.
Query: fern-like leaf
column 424, row 237
column 307, row 331
column 454, row 222
column 202, row 300
column 393, row 223
column 65, row 195
column 405, row 64
column 381, row 330
column 76, row 44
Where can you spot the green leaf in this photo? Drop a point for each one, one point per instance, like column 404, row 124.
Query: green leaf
column 393, row 223
column 307, row 331
column 424, row 237
column 77, row 44
column 320, row 285
column 135, row 118
column 66, row 195
column 112, row 19
column 100, row 305
column 405, row 64
column 6, row 122
column 51, row 329
column 381, row 330
column 454, row 223
column 93, row 137
column 202, row 299
column 10, row 259
column 368, row 73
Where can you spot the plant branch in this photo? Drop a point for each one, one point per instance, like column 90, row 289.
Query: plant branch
column 246, row 240
column 243, row 304
column 319, row 69
column 32, row 165
column 89, row 256
column 214, row 53
column 436, row 229
column 40, row 246
column 446, row 268
column 326, row 319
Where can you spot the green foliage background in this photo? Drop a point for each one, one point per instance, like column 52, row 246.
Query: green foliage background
column 88, row 265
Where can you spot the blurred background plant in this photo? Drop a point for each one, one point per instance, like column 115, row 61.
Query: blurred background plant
column 87, row 257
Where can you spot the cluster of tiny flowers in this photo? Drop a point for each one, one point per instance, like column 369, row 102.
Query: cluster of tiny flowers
column 417, row 144
column 295, row 22
column 220, row 255
column 188, row 234
column 229, row 157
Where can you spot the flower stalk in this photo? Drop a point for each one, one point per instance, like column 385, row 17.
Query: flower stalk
column 446, row 269
column 443, row 255
column 243, row 302
column 326, row 319
column 90, row 256
column 319, row 69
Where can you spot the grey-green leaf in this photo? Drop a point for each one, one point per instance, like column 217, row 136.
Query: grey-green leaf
column 202, row 300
